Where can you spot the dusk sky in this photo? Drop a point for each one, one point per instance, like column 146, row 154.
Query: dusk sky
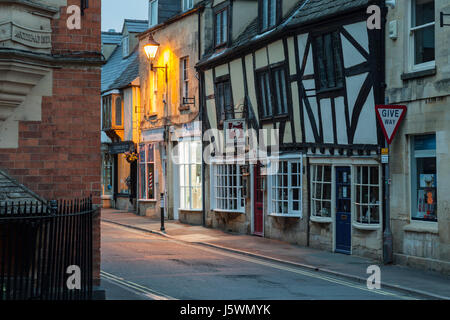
column 115, row 11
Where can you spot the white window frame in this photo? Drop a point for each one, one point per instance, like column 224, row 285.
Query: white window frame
column 187, row 4
column 225, row 196
column 357, row 187
column 183, row 162
column 411, row 45
column 152, row 23
column 320, row 183
column 184, row 78
column 290, row 159
column 146, row 162
column 414, row 155
column 126, row 46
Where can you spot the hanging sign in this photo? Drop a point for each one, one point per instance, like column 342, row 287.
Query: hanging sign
column 390, row 118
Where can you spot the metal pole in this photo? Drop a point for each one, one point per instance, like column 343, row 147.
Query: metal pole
column 387, row 235
column 162, row 212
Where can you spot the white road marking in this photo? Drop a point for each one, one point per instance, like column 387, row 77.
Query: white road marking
column 272, row 265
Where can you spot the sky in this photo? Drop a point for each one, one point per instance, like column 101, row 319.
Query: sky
column 115, row 11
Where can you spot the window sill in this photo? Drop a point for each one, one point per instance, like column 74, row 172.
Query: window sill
column 365, row 226
column 321, row 219
column 228, row 211
column 286, row 215
column 147, row 200
column 419, row 74
column 422, row 227
column 190, row 210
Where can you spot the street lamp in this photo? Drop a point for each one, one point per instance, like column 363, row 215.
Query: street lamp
column 150, row 49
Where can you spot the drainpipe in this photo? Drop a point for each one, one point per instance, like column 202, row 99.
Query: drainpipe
column 200, row 99
column 387, row 234
column 308, row 201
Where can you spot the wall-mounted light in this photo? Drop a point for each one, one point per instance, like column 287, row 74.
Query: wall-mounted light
column 151, row 48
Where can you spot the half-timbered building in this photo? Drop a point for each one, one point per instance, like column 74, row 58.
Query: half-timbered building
column 308, row 72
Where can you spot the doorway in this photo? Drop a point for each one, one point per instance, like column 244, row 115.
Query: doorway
column 343, row 210
column 258, row 219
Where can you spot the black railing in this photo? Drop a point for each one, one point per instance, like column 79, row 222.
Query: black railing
column 46, row 250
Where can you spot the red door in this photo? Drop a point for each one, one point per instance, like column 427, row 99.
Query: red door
column 258, row 201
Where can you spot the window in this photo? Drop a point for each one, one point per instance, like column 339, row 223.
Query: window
column 107, row 178
column 424, row 178
column 272, row 91
column 184, row 80
column 327, row 52
column 106, row 114
column 286, row 188
column 268, row 14
column 153, row 13
column 190, row 174
column 224, row 104
column 118, row 112
column 125, row 46
column 422, row 35
column 221, row 27
column 228, row 187
column 321, row 190
column 187, row 4
column 367, row 194
column 147, row 171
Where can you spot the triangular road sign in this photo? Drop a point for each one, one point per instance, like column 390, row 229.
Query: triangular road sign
column 390, row 118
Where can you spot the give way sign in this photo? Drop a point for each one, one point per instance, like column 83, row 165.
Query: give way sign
column 390, row 118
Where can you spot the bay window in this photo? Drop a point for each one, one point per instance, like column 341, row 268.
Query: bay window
column 367, row 194
column 285, row 188
column 190, row 174
column 227, row 188
column 321, row 181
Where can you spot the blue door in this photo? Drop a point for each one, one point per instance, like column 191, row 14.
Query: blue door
column 343, row 210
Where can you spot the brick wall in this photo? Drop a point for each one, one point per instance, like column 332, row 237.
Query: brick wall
column 59, row 157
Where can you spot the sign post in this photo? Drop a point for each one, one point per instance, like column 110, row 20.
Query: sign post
column 389, row 118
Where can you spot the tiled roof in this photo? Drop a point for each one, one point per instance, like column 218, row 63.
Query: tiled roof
column 12, row 191
column 306, row 11
column 136, row 25
column 116, row 67
column 111, row 37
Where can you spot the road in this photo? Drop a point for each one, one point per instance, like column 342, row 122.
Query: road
column 139, row 266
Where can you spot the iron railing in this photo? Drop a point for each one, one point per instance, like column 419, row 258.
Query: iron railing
column 38, row 244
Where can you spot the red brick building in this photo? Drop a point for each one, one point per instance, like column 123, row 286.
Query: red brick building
column 50, row 99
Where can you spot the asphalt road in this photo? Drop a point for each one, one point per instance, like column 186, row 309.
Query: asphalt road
column 138, row 266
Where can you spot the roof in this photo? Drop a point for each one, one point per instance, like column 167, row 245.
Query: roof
column 12, row 191
column 135, row 26
column 111, row 37
column 118, row 71
column 307, row 11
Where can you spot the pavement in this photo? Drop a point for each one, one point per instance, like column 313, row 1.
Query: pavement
column 429, row 285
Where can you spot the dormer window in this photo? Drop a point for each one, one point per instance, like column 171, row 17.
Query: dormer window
column 269, row 14
column 125, row 46
column 187, row 4
column 221, row 26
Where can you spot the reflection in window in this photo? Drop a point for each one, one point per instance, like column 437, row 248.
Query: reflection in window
column 367, row 194
column 321, row 191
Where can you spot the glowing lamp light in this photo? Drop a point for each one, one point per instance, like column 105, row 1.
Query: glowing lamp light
column 151, row 47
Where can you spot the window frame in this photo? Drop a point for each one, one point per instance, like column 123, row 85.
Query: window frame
column 355, row 186
column 412, row 66
column 219, row 10
column 317, row 74
column 189, row 6
column 271, row 70
column 220, row 81
column 184, row 79
column 125, row 46
column 314, row 183
column 289, row 159
column 151, row 23
column 240, row 199
column 278, row 15
column 181, row 166
column 414, row 155
column 146, row 162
